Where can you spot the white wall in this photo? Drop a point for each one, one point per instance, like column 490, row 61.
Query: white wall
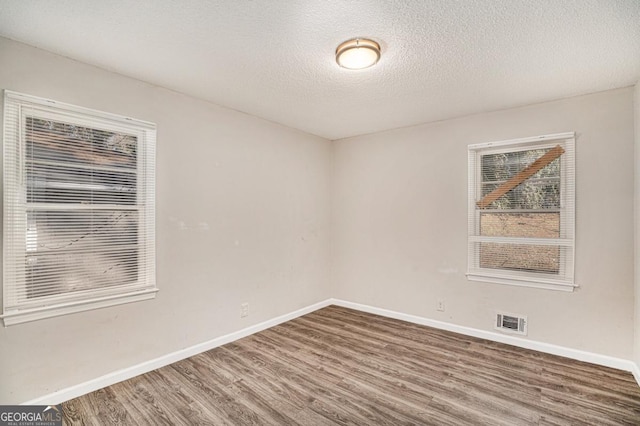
column 399, row 223
column 242, row 216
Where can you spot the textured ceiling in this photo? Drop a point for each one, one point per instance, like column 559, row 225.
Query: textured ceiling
column 275, row 58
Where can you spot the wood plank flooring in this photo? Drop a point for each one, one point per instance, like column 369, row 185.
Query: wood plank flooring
column 339, row 366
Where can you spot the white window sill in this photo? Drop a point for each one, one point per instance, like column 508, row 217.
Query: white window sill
column 27, row 315
column 547, row 284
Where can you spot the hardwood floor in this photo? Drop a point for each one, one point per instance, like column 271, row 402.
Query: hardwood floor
column 339, row 366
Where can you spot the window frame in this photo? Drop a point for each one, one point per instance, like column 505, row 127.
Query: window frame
column 15, row 205
column 565, row 279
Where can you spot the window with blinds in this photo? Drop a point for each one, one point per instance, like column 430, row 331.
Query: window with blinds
column 522, row 212
column 79, row 209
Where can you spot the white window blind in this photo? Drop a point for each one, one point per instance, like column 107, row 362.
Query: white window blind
column 79, row 209
column 522, row 212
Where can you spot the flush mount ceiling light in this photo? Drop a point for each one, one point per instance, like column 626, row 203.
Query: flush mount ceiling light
column 358, row 53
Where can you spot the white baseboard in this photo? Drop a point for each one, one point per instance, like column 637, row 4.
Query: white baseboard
column 66, row 394
column 75, row 391
column 636, row 372
column 604, row 360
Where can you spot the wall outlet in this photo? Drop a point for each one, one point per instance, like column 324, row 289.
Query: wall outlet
column 440, row 305
column 244, row 310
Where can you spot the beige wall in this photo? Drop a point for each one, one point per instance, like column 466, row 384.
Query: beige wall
column 399, row 223
column 242, row 216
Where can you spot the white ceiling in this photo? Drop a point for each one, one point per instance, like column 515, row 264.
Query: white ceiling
column 275, row 58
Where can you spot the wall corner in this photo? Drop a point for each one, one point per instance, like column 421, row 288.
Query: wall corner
column 636, row 119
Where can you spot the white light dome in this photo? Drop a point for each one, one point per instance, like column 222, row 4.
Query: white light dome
column 357, row 54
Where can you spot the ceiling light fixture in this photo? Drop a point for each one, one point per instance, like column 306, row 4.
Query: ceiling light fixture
column 358, row 53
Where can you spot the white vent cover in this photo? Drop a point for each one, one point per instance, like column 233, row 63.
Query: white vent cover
column 510, row 323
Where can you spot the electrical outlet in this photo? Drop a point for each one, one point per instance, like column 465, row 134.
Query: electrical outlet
column 244, row 310
column 440, row 305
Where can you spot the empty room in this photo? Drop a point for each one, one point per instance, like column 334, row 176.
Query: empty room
column 320, row 212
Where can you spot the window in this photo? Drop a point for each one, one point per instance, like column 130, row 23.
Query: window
column 79, row 209
column 522, row 212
